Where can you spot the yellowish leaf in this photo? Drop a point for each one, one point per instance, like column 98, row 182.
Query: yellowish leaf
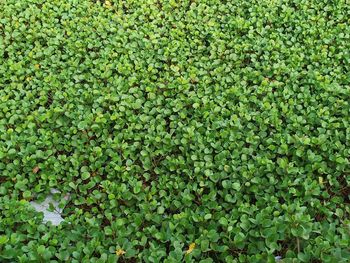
column 191, row 247
column 320, row 180
column 36, row 169
column 120, row 252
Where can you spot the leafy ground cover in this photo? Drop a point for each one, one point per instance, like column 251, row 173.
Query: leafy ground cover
column 192, row 130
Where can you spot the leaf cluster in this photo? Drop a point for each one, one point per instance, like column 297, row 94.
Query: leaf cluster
column 192, row 130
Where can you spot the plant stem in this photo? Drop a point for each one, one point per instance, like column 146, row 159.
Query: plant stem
column 298, row 245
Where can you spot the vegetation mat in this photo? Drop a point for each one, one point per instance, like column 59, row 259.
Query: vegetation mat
column 189, row 130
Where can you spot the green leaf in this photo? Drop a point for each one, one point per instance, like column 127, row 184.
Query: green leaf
column 3, row 239
column 85, row 175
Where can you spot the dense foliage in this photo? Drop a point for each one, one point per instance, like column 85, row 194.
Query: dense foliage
column 185, row 130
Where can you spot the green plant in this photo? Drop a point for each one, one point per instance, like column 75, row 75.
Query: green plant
column 194, row 130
